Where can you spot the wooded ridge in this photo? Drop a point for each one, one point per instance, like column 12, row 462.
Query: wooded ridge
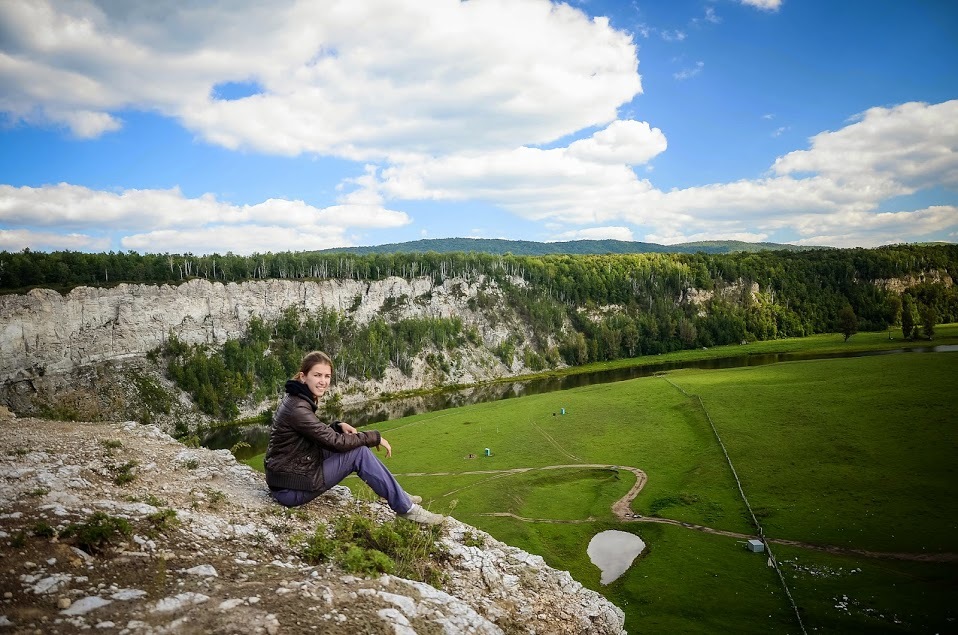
column 580, row 247
column 229, row 329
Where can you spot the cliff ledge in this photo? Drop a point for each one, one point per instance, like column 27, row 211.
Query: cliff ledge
column 226, row 563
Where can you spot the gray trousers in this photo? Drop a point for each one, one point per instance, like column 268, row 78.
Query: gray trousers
column 339, row 465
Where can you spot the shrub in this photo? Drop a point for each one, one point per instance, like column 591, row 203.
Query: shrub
column 366, row 561
column 239, row 445
column 124, row 474
column 533, row 360
column 154, row 501
column 360, row 546
column 19, row 539
column 162, row 520
column 190, row 441
column 42, row 529
column 99, row 529
column 319, row 547
column 214, row 497
column 506, row 351
column 150, row 392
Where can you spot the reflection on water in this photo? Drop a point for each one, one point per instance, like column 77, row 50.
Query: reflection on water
column 371, row 412
column 374, row 412
column 613, row 552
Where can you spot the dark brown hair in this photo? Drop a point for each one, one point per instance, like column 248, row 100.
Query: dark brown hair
column 311, row 359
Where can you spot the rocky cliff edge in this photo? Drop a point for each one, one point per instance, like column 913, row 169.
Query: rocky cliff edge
column 225, row 563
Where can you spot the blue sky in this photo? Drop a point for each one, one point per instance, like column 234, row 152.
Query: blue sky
column 254, row 127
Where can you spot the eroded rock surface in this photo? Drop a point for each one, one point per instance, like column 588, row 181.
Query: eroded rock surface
column 45, row 332
column 228, row 564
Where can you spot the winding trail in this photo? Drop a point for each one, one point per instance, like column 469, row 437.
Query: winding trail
column 622, row 509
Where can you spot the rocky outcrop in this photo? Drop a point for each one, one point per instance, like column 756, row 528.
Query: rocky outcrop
column 733, row 292
column 82, row 355
column 209, row 552
column 43, row 331
column 898, row 285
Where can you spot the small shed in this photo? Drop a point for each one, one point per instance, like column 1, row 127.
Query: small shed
column 755, row 546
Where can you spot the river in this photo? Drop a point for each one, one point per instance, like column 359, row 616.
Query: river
column 256, row 435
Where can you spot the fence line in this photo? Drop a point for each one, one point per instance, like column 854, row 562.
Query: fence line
column 741, row 491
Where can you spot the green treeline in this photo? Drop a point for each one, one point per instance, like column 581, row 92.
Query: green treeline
column 612, row 278
column 268, row 354
column 802, row 292
column 530, row 248
column 573, row 308
column 807, row 288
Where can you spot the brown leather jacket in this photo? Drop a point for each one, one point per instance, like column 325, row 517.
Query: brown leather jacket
column 293, row 457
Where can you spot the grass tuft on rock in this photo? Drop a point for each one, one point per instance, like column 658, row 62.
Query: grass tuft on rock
column 99, row 530
column 356, row 543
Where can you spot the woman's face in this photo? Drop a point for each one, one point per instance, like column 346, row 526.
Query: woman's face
column 318, row 378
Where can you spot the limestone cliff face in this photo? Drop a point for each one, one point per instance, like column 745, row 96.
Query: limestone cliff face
column 898, row 285
column 46, row 332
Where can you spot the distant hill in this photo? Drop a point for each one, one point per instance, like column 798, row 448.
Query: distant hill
column 530, row 248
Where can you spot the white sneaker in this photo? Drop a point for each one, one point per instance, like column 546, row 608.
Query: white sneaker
column 419, row 515
column 415, row 499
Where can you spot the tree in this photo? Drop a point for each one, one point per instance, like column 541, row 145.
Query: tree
column 576, row 349
column 909, row 316
column 892, row 312
column 687, row 332
column 847, row 321
column 928, row 319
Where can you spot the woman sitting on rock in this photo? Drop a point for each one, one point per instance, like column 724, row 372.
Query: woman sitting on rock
column 306, row 456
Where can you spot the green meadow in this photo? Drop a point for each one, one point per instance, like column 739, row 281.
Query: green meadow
column 854, row 454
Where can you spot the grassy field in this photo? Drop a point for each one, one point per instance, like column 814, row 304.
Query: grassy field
column 854, row 453
column 823, row 343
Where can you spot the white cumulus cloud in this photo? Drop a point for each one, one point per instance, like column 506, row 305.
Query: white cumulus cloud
column 691, row 71
column 766, row 5
column 242, row 239
column 629, row 142
column 872, row 230
column 342, row 78
column 595, row 233
column 20, row 239
column 838, row 183
column 161, row 220
column 912, row 144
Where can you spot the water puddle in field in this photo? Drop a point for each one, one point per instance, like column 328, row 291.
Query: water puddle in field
column 613, row 552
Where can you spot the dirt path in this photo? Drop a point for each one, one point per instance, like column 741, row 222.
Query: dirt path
column 622, row 509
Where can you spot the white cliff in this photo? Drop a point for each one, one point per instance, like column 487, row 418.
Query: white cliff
column 46, row 332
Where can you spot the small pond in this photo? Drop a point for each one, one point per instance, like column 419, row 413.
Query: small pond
column 613, row 552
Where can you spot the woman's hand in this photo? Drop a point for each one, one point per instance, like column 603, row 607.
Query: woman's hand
column 383, row 443
column 346, row 428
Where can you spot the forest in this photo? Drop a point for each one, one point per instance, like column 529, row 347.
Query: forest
column 268, row 354
column 574, row 309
